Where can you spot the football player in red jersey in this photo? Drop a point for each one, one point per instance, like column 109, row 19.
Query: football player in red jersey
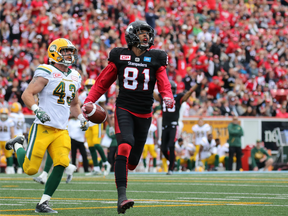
column 137, row 69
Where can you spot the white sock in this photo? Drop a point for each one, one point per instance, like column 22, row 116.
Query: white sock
column 97, row 168
column 17, row 146
column 106, row 163
column 44, row 198
column 43, row 175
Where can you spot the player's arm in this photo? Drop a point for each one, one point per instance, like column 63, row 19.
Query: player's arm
column 76, row 112
column 102, row 83
column 12, row 133
column 35, row 86
column 193, row 88
column 156, row 96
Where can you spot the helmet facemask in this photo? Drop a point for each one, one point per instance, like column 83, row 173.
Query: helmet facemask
column 150, row 40
column 62, row 52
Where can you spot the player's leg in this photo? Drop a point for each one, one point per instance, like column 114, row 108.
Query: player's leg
column 83, row 153
column 171, row 146
column 111, row 157
column 42, row 179
column 238, row 155
column 144, row 156
column 165, row 142
column 231, row 155
column 9, row 158
column 89, row 137
column 59, row 151
column 74, row 147
column 153, row 153
column 124, row 129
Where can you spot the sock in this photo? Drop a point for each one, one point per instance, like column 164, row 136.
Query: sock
column 44, row 198
column 17, row 146
column 99, row 148
column 193, row 165
column 121, row 171
column 144, row 162
column 100, row 164
column 97, row 168
column 171, row 158
column 178, row 164
column 9, row 161
column 226, row 163
column 20, row 156
column 48, row 163
column 94, row 156
column 216, row 163
column 44, row 174
column 54, row 180
column 189, row 164
column 206, row 165
column 164, row 164
column 154, row 162
column 121, row 194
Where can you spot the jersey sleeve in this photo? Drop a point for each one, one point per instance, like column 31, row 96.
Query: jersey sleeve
column 163, row 58
column 43, row 71
column 114, row 55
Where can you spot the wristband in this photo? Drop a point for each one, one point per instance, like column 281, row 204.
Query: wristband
column 80, row 116
column 34, row 107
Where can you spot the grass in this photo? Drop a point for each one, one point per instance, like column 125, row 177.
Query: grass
column 213, row 193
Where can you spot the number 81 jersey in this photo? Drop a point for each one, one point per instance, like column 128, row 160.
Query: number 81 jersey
column 137, row 77
column 57, row 95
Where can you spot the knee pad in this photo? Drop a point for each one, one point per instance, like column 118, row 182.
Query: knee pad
column 131, row 167
column 61, row 161
column 124, row 149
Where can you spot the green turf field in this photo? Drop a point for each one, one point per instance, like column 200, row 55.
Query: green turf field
column 214, row 193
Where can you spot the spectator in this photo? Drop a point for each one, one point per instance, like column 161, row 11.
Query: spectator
column 281, row 112
column 151, row 17
column 235, row 133
column 3, row 102
column 260, row 157
column 14, row 91
column 213, row 88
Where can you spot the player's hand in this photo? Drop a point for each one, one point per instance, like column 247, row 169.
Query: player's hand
column 169, row 102
column 42, row 115
column 83, row 122
column 111, row 131
column 83, row 108
column 199, row 78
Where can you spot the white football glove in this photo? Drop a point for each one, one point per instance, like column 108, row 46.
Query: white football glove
column 199, row 78
column 84, row 123
column 111, row 131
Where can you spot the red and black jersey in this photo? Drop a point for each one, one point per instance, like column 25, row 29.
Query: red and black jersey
column 170, row 116
column 137, row 76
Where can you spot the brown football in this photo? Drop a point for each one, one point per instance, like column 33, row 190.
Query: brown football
column 95, row 113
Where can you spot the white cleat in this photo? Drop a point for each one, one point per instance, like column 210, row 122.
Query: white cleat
column 19, row 170
column 40, row 180
column 107, row 170
column 69, row 171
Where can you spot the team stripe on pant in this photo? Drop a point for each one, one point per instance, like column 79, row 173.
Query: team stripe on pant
column 32, row 138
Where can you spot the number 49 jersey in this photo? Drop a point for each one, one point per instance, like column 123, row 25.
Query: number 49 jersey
column 57, row 95
column 137, row 77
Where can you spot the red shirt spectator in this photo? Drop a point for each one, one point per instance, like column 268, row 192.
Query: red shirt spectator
column 180, row 84
column 214, row 88
column 281, row 113
column 36, row 6
column 181, row 65
column 21, row 64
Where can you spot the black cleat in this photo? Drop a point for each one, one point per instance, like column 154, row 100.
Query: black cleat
column 44, row 208
column 126, row 204
column 10, row 143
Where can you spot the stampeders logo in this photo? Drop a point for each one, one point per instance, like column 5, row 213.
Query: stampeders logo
column 57, row 75
column 125, row 57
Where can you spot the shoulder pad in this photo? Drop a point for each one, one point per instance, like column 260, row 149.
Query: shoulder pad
column 45, row 67
column 161, row 55
column 114, row 54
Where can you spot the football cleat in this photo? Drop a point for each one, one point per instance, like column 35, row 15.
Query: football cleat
column 44, row 208
column 169, row 172
column 69, row 171
column 126, row 204
column 94, row 172
column 10, row 143
column 107, row 170
column 40, row 180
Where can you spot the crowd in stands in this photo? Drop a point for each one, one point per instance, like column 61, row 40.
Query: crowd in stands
column 240, row 45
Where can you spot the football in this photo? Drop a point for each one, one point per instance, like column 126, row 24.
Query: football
column 95, row 113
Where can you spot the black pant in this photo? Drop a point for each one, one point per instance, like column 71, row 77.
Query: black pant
column 79, row 145
column 112, row 156
column 232, row 151
column 168, row 144
column 134, row 131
